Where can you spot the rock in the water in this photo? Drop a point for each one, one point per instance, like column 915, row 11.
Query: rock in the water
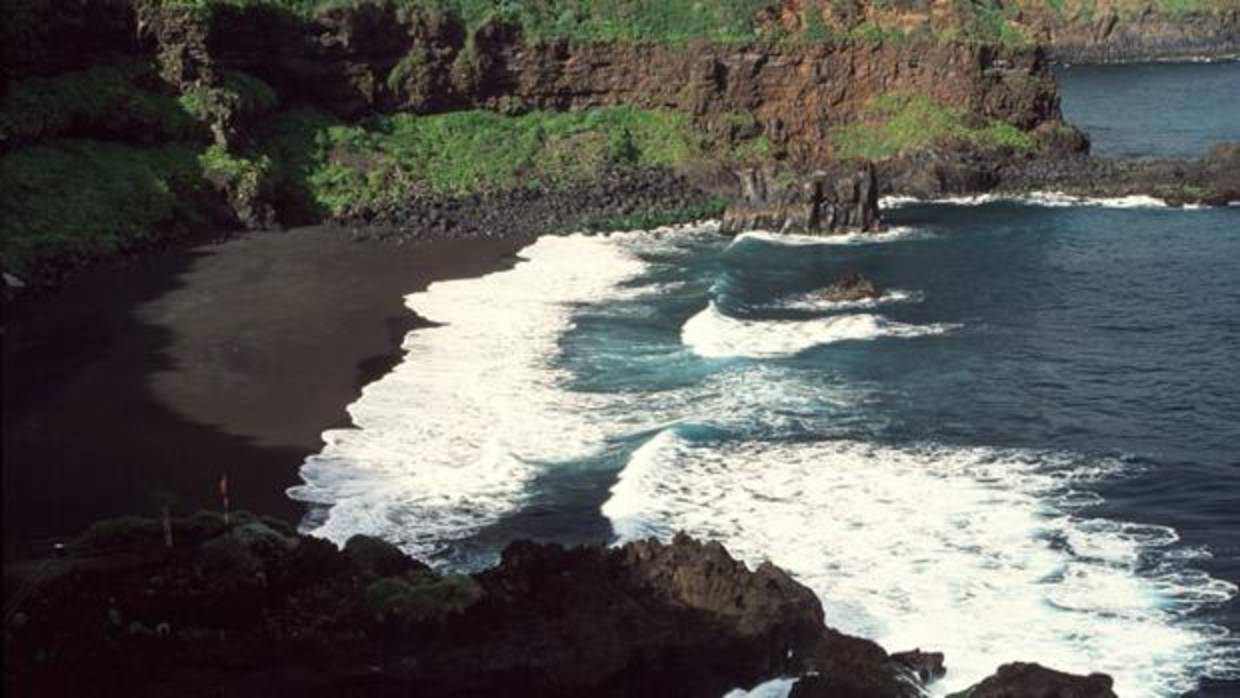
column 1021, row 680
column 927, row 666
column 851, row 287
column 841, row 199
column 1222, row 171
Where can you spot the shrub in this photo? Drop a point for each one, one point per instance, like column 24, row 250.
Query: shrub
column 403, row 601
column 88, row 198
column 378, row 556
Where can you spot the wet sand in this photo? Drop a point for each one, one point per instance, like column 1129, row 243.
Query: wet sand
column 228, row 357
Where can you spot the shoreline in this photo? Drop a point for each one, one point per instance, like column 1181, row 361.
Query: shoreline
column 228, row 356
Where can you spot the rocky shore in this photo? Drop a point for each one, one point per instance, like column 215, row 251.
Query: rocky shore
column 198, row 607
column 619, row 199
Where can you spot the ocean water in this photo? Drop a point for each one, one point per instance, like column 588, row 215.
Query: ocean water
column 1027, row 449
column 1153, row 110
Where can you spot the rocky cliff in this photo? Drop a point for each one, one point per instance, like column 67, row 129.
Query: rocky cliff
column 379, row 58
column 198, row 607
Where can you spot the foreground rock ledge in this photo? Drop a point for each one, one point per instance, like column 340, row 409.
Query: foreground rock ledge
column 259, row 610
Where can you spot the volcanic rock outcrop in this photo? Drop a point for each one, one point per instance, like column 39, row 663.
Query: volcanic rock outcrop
column 254, row 609
column 841, row 199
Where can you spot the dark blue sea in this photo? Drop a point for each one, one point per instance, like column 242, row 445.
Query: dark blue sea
column 1027, row 449
column 1154, row 110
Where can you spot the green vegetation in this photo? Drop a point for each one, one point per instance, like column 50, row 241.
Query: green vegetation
column 336, row 165
column 896, row 124
column 240, row 94
column 580, row 20
column 99, row 99
column 402, row 601
column 244, row 177
column 991, row 22
column 84, row 198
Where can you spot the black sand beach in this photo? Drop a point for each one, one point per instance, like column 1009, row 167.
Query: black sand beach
column 232, row 356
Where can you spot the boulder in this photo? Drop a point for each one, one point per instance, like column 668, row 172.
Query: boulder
column 1021, row 680
column 841, row 199
column 851, row 287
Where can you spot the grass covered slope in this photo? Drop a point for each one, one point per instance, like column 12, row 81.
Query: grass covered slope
column 336, row 165
column 898, row 124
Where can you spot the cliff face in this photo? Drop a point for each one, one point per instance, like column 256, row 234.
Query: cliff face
column 1111, row 31
column 377, row 58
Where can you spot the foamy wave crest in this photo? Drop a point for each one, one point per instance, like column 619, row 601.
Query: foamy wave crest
column 714, row 335
column 891, row 234
column 447, row 442
column 1037, row 198
column 814, row 301
column 965, row 550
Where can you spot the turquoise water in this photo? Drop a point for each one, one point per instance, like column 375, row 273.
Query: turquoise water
column 1027, row 449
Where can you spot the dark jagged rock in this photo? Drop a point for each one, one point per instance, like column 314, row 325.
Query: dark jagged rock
column 851, row 287
column 1214, row 180
column 937, row 173
column 841, row 199
column 259, row 610
column 1020, row 680
column 927, row 666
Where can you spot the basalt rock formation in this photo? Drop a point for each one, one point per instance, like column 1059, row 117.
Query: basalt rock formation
column 841, row 199
column 1213, row 180
column 1019, row 680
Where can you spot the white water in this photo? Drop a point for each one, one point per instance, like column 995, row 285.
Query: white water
column 712, row 334
column 446, row 442
column 1041, row 198
column 891, row 234
column 972, row 552
column 815, row 301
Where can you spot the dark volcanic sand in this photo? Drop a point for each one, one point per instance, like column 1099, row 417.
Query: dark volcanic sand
column 232, row 356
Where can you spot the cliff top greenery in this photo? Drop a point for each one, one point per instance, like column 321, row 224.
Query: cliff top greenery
column 671, row 21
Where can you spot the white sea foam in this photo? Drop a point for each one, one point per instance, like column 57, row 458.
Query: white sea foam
column 1039, row 198
column 775, row 688
column 963, row 550
column 713, row 334
column 815, row 301
column 446, row 442
column 890, row 234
